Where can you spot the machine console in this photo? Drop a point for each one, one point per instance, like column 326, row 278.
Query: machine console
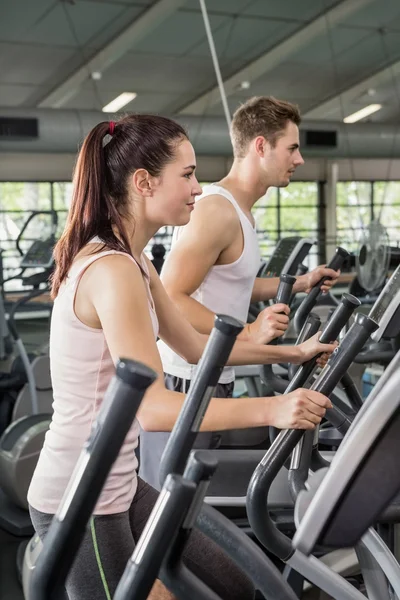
column 287, row 256
column 39, row 255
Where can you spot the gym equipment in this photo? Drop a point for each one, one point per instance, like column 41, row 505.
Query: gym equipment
column 158, row 252
column 25, row 401
column 257, row 496
column 286, row 258
column 180, row 501
column 120, row 405
column 312, row 298
column 365, row 462
column 26, row 389
column 22, row 440
column 373, row 257
column 235, row 486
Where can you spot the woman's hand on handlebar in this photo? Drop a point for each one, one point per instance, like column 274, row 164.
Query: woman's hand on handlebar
column 312, row 347
column 301, row 409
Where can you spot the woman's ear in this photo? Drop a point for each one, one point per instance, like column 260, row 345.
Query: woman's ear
column 142, row 182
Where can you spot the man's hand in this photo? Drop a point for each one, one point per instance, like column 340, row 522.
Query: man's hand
column 305, row 283
column 312, row 347
column 301, row 409
column 269, row 324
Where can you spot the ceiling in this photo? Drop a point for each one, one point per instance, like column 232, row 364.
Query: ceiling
column 332, row 57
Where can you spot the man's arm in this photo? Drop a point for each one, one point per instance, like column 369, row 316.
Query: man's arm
column 266, row 288
column 212, row 228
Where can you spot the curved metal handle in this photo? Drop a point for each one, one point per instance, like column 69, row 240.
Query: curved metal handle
column 311, row 299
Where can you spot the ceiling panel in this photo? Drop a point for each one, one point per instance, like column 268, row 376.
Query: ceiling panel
column 337, row 41
column 376, row 14
column 245, row 38
column 17, row 18
column 363, row 61
column 177, row 34
column 158, row 74
column 30, row 64
column 281, row 9
column 290, row 9
column 88, row 19
column 221, row 6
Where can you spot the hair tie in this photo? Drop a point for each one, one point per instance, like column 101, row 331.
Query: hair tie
column 111, row 127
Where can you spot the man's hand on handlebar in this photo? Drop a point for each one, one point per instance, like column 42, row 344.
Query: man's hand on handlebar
column 271, row 323
column 306, row 282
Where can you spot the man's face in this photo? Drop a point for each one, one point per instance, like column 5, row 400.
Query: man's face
column 282, row 160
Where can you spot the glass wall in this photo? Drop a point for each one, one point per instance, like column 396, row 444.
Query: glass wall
column 287, row 212
column 386, row 207
column 359, row 202
column 282, row 212
column 17, row 201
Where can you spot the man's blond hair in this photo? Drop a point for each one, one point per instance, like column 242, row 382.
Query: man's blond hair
column 261, row 115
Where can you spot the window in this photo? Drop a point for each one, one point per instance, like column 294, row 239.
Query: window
column 286, row 212
column 386, row 206
column 353, row 212
column 359, row 202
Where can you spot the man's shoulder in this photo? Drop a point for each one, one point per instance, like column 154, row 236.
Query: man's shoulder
column 216, row 206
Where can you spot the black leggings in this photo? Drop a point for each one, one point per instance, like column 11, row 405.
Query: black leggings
column 110, row 540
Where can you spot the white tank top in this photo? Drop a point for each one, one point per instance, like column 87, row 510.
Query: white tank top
column 226, row 289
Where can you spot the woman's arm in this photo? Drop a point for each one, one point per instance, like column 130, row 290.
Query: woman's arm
column 115, row 289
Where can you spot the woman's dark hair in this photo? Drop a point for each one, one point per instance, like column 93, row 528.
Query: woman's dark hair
column 102, row 171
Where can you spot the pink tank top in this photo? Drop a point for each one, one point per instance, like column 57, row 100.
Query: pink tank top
column 81, row 369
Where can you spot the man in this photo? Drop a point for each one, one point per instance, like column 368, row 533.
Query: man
column 214, row 260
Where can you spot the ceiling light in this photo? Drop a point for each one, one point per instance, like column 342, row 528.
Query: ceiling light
column 361, row 114
column 119, row 102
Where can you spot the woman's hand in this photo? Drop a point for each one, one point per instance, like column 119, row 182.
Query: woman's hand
column 312, row 347
column 301, row 409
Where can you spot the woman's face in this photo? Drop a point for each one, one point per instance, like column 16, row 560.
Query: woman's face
column 174, row 191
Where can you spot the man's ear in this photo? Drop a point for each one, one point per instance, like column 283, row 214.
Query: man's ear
column 260, row 145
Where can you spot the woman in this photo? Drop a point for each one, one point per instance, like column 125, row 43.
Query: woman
column 132, row 178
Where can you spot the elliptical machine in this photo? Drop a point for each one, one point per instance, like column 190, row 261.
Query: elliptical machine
column 28, row 405
column 26, row 388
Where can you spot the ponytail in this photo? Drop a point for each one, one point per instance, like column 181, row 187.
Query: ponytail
column 101, row 182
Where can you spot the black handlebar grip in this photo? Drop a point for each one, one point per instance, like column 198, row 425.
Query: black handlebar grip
column 284, row 292
column 202, row 386
column 339, row 319
column 311, row 299
column 338, row 259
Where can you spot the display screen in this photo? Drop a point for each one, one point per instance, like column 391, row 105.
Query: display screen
column 282, row 252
